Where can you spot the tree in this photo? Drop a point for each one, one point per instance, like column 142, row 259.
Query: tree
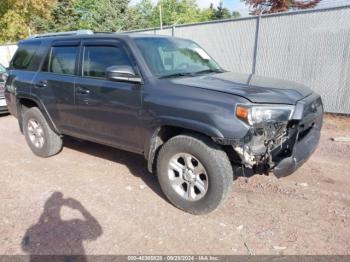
column 236, row 14
column 63, row 17
column 86, row 10
column 96, row 15
column 177, row 11
column 221, row 12
column 141, row 15
column 17, row 16
column 146, row 15
column 110, row 15
column 276, row 6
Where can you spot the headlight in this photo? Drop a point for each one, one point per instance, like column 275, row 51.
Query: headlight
column 257, row 114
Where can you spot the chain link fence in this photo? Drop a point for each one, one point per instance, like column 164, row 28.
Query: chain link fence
column 311, row 47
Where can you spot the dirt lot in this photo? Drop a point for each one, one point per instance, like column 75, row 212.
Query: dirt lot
column 107, row 203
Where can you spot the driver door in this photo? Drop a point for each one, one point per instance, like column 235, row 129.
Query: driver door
column 108, row 109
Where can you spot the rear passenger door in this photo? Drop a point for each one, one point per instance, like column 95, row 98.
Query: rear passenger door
column 108, row 109
column 54, row 84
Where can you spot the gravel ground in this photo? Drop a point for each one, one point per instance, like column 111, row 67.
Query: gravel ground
column 91, row 199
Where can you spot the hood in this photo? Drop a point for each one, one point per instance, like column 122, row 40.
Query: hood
column 257, row 89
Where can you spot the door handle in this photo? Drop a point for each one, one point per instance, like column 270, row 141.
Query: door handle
column 82, row 91
column 41, row 84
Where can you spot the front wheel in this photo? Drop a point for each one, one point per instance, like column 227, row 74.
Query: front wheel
column 194, row 173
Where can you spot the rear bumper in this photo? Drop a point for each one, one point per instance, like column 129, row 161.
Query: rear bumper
column 305, row 138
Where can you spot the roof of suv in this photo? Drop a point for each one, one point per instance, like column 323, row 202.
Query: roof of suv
column 52, row 37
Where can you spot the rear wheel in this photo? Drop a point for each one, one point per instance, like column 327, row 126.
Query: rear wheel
column 41, row 139
column 194, row 173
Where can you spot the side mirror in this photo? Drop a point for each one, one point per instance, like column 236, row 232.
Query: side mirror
column 122, row 73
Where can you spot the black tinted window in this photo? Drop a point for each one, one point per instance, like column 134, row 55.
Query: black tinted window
column 62, row 60
column 24, row 55
column 98, row 58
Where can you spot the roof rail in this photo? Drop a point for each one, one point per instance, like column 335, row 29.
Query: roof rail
column 78, row 32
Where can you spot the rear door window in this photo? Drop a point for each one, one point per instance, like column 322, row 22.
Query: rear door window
column 98, row 58
column 62, row 60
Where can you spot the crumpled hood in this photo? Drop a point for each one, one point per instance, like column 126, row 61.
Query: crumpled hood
column 257, row 89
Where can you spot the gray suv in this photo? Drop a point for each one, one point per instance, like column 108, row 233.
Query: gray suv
column 167, row 99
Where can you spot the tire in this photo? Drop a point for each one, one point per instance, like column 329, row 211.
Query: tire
column 51, row 144
column 205, row 154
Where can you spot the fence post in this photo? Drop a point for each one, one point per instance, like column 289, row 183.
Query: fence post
column 256, row 44
column 173, row 31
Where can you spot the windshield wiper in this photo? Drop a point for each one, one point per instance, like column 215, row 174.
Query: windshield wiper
column 208, row 71
column 177, row 75
column 193, row 73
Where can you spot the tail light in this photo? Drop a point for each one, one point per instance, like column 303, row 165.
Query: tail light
column 2, row 87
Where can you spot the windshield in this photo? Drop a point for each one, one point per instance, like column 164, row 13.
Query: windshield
column 171, row 56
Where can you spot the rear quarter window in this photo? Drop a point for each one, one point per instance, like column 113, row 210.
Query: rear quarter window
column 23, row 59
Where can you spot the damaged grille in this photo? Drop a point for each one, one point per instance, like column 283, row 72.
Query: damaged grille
column 264, row 146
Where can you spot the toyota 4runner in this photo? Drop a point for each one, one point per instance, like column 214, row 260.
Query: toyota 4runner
column 165, row 98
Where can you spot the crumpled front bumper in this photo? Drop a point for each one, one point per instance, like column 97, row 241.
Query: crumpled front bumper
column 303, row 149
column 307, row 132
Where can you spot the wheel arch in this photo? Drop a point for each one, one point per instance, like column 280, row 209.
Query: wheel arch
column 24, row 103
column 172, row 127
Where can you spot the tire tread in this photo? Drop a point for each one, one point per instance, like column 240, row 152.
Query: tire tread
column 220, row 161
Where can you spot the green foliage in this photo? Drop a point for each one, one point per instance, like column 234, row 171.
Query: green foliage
column 97, row 15
column 110, row 15
column 19, row 18
column 141, row 15
column 63, row 17
column 147, row 15
column 221, row 12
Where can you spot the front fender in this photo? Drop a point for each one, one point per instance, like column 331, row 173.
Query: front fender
column 176, row 122
column 190, row 124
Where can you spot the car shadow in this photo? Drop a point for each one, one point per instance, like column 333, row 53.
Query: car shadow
column 243, row 172
column 136, row 164
column 53, row 239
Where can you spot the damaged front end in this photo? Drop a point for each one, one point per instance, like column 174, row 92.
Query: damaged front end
column 263, row 142
column 280, row 137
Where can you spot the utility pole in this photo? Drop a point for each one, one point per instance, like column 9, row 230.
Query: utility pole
column 160, row 15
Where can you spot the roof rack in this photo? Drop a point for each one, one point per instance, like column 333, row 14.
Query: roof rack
column 78, row 32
